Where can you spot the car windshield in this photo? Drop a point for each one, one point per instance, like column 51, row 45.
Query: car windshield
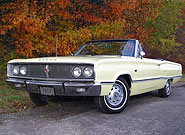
column 123, row 48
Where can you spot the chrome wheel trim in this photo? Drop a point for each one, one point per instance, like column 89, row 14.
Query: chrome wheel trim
column 168, row 88
column 126, row 96
column 115, row 96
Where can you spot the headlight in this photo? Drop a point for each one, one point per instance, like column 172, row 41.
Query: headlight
column 23, row 70
column 16, row 70
column 88, row 72
column 77, row 72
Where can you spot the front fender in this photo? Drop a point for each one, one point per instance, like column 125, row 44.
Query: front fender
column 107, row 75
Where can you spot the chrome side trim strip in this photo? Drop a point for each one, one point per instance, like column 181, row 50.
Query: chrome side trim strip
column 158, row 78
column 150, row 79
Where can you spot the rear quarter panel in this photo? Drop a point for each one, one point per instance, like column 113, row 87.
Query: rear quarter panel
column 171, row 69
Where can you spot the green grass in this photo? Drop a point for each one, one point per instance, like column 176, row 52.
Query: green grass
column 183, row 78
column 12, row 100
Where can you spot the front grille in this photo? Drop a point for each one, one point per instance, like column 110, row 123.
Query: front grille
column 36, row 71
column 55, row 71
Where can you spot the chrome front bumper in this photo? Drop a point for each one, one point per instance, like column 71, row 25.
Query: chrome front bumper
column 61, row 88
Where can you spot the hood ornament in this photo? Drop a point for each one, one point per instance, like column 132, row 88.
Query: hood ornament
column 46, row 70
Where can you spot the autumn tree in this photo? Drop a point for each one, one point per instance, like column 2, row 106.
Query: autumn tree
column 165, row 26
column 179, row 54
column 31, row 27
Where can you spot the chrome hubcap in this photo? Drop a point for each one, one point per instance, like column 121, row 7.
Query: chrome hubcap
column 168, row 88
column 116, row 95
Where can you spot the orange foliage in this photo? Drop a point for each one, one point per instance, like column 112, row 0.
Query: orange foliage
column 34, row 26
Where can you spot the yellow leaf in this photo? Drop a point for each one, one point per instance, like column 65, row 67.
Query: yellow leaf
column 3, row 32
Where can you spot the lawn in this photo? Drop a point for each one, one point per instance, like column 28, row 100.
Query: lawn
column 183, row 78
column 13, row 100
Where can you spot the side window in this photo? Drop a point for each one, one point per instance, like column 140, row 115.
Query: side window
column 128, row 49
column 139, row 49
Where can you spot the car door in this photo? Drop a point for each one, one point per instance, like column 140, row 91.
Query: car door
column 148, row 73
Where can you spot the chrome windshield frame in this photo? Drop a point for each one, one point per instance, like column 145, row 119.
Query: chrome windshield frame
column 114, row 40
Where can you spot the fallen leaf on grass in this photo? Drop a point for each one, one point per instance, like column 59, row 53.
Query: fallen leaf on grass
column 25, row 107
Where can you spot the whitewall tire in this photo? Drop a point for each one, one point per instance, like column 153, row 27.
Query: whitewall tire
column 117, row 98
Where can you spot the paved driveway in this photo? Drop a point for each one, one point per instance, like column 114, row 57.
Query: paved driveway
column 145, row 115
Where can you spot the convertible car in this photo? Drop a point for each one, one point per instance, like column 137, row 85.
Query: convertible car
column 108, row 70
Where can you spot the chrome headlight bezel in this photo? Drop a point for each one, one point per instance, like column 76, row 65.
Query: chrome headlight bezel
column 88, row 72
column 23, row 70
column 16, row 70
column 77, row 72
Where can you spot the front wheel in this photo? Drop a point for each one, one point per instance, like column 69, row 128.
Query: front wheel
column 117, row 99
column 166, row 91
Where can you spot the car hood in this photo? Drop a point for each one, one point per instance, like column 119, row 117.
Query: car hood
column 65, row 59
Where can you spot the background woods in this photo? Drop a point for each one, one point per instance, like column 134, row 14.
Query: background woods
column 28, row 28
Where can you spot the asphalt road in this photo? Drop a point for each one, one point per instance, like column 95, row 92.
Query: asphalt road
column 145, row 114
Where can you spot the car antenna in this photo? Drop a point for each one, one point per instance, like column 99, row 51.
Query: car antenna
column 56, row 44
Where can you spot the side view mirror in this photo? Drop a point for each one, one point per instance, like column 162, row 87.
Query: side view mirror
column 142, row 54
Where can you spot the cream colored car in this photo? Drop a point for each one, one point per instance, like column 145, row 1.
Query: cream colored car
column 109, row 70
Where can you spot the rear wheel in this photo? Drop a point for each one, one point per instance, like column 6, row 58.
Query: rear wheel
column 37, row 99
column 166, row 91
column 117, row 99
